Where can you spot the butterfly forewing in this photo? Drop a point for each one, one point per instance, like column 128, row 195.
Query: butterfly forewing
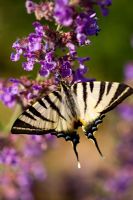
column 96, row 98
column 36, row 118
column 53, row 113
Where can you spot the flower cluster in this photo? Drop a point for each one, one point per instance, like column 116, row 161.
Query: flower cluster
column 52, row 47
column 42, row 46
column 24, row 91
column 21, row 165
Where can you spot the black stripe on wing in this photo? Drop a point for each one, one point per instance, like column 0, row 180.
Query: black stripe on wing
column 21, row 127
column 84, row 84
column 54, row 107
column 28, row 115
column 75, row 89
column 109, row 87
column 91, row 86
column 118, row 96
column 101, row 92
column 38, row 114
column 57, row 94
column 41, row 102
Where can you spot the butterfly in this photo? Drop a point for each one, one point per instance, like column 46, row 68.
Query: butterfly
column 63, row 111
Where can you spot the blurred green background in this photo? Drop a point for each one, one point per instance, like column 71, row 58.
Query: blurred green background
column 109, row 51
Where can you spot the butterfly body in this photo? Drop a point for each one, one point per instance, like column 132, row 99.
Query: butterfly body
column 63, row 111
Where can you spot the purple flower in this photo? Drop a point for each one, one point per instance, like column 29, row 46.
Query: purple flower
column 66, row 69
column 48, row 64
column 104, row 6
column 8, row 94
column 39, row 171
column 72, row 49
column 63, row 12
column 15, row 57
column 39, row 29
column 120, row 183
column 128, row 71
column 86, row 25
column 30, row 6
column 126, row 111
column 78, row 75
column 28, row 66
column 9, row 156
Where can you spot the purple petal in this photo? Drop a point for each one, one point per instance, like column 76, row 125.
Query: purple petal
column 28, row 66
column 30, row 6
column 128, row 71
column 15, row 57
column 44, row 72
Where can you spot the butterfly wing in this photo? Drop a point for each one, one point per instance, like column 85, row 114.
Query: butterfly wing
column 97, row 98
column 50, row 114
column 94, row 99
column 61, row 110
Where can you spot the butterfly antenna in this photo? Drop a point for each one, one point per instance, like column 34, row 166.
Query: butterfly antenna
column 75, row 151
column 96, row 144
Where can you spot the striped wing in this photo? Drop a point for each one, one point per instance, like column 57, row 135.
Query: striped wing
column 51, row 114
column 97, row 98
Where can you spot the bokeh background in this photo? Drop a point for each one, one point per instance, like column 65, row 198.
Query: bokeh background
column 109, row 53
